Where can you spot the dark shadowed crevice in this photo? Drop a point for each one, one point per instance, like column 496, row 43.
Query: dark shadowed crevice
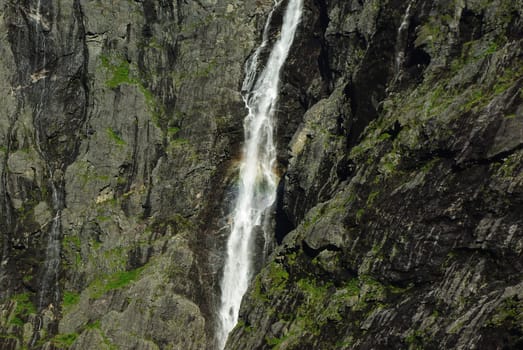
column 283, row 225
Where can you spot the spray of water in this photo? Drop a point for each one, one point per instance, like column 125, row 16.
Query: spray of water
column 258, row 182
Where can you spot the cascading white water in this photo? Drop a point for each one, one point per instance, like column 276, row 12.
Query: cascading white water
column 258, row 181
column 401, row 37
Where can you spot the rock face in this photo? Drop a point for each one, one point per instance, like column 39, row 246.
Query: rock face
column 400, row 136
column 404, row 185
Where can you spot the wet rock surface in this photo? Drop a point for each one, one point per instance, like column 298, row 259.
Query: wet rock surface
column 400, row 140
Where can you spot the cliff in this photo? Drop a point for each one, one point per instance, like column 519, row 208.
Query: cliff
column 398, row 223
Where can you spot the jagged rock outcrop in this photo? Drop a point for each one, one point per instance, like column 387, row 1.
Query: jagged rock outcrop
column 405, row 186
column 400, row 140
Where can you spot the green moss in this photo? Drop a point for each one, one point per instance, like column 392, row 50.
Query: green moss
column 16, row 321
column 507, row 79
column 372, row 196
column 70, row 299
column 114, row 281
column 384, row 136
column 113, row 135
column 94, row 325
column 64, row 340
column 510, row 311
column 116, row 258
column 353, row 287
column 312, row 290
column 71, row 242
column 397, row 290
column 344, row 343
column 476, row 98
column 311, row 315
column 429, row 33
column 102, row 218
column 510, row 165
column 359, row 214
column 9, row 336
column 274, row 342
column 172, row 131
column 493, row 48
column 291, row 258
column 258, row 292
column 24, row 305
column 279, row 277
column 122, row 72
column 119, row 70
column 179, row 142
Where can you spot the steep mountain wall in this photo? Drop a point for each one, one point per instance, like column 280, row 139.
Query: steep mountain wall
column 404, row 185
column 400, row 141
column 132, row 110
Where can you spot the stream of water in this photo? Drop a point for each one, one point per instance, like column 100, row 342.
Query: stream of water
column 49, row 292
column 401, row 37
column 258, row 181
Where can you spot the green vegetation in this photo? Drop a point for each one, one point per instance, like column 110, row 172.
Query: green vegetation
column 119, row 69
column 120, row 75
column 70, row 299
column 241, row 324
column 359, row 214
column 94, row 325
column 102, row 218
column 510, row 165
column 429, row 33
column 291, row 258
column 353, row 287
column 71, row 245
column 123, row 72
column 113, row 281
column 311, row 315
column 72, row 241
column 64, row 340
column 509, row 311
column 275, row 342
column 372, row 196
column 279, row 277
column 113, row 135
column 24, row 307
column 372, row 290
column 172, row 131
column 115, row 258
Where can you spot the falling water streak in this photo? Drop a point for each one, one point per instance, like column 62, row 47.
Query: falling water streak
column 52, row 255
column 257, row 180
column 251, row 67
column 49, row 291
column 400, row 38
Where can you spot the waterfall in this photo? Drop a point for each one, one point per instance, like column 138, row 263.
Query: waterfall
column 49, row 289
column 401, row 37
column 49, row 292
column 258, row 182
